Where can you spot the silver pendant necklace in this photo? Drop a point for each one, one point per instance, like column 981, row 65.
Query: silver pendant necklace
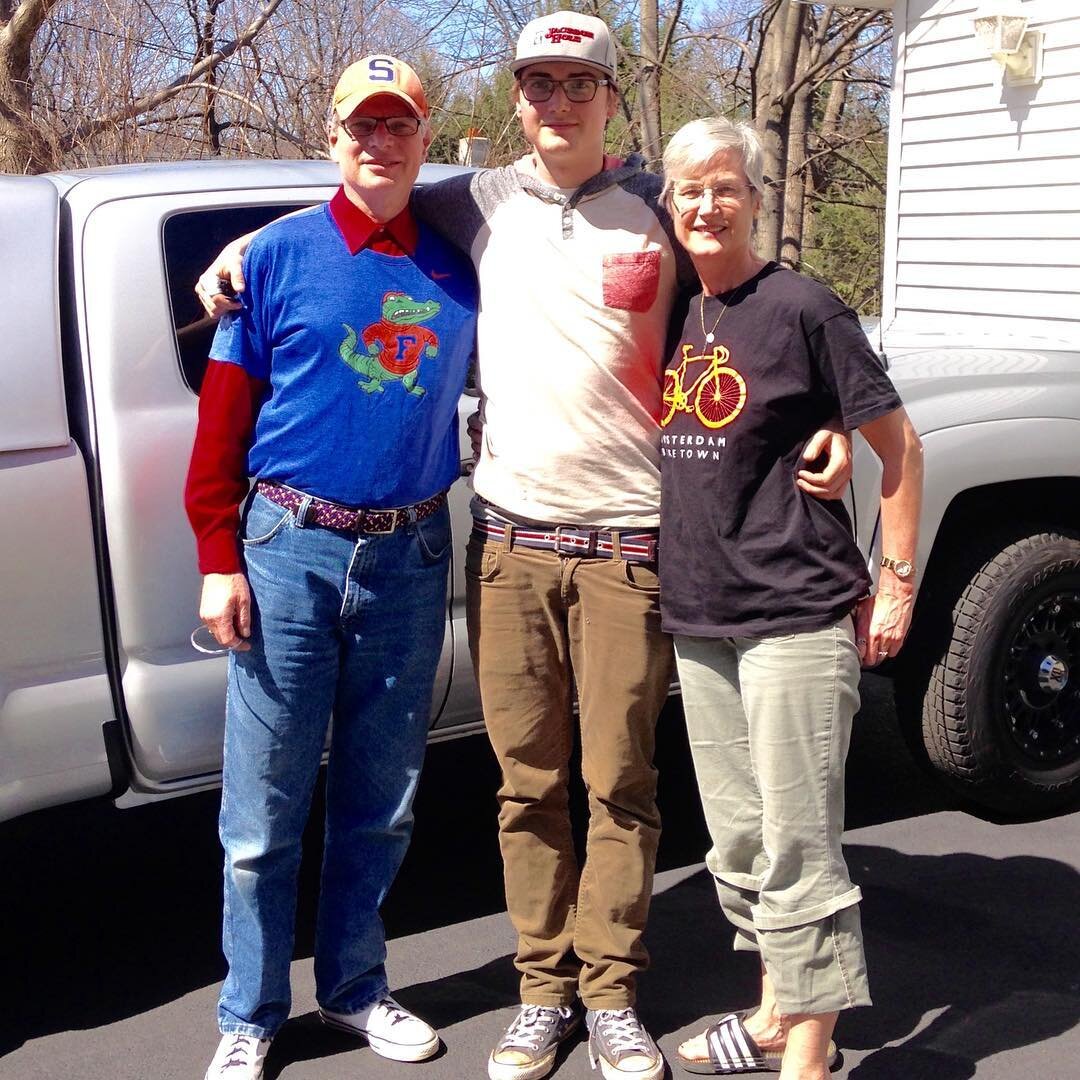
column 710, row 335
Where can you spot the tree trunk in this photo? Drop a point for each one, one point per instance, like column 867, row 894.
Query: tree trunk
column 831, row 118
column 799, row 126
column 211, row 124
column 649, row 81
column 774, row 119
column 23, row 147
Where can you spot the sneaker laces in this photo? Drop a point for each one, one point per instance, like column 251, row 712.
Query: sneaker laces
column 622, row 1031
column 531, row 1025
column 238, row 1052
column 395, row 1012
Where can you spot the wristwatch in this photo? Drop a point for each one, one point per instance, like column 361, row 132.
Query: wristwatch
column 902, row 568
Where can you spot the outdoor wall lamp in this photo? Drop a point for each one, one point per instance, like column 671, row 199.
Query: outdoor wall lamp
column 1001, row 27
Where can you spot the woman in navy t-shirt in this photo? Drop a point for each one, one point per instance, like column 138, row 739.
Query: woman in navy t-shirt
column 766, row 592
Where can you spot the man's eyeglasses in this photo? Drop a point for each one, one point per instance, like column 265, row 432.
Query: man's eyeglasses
column 689, row 194
column 362, row 127
column 537, row 88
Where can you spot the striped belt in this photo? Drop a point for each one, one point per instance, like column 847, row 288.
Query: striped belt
column 571, row 540
column 348, row 519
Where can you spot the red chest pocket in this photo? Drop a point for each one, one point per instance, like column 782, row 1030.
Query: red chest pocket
column 632, row 280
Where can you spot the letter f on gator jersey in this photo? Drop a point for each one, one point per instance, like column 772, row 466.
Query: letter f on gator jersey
column 395, row 344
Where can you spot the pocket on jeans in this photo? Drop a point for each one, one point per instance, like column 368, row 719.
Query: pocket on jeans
column 481, row 561
column 433, row 536
column 641, row 577
column 264, row 521
column 632, row 280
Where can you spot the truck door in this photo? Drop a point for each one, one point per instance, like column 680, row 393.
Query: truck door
column 54, row 690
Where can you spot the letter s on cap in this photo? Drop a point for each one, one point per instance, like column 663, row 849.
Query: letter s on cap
column 380, row 70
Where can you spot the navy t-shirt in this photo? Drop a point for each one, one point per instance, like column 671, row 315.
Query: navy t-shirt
column 365, row 356
column 744, row 552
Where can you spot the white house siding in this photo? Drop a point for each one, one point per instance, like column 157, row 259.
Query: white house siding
column 983, row 244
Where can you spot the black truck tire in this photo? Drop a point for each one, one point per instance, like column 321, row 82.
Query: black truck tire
column 1001, row 712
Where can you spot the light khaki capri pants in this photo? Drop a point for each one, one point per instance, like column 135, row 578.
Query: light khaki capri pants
column 769, row 721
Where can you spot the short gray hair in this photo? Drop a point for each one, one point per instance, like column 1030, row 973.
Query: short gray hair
column 695, row 146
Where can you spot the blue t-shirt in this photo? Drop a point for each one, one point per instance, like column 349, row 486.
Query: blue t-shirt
column 365, row 356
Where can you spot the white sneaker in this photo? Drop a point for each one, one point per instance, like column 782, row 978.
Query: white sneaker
column 621, row 1047
column 391, row 1030
column 238, row 1057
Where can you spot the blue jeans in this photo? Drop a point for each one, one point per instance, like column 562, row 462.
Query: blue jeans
column 340, row 625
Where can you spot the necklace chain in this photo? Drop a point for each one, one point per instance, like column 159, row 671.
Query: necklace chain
column 710, row 336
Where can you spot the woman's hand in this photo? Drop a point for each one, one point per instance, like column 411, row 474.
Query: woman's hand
column 831, row 482
column 882, row 622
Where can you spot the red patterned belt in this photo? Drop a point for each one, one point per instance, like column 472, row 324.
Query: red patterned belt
column 349, row 519
column 635, row 546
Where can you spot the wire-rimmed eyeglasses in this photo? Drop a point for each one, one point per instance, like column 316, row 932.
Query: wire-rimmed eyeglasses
column 690, row 194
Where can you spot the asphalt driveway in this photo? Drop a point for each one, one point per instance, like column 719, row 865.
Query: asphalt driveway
column 111, row 923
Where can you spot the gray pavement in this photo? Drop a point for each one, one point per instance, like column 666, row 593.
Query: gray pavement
column 111, row 922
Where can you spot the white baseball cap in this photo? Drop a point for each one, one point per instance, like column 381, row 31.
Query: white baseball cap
column 566, row 35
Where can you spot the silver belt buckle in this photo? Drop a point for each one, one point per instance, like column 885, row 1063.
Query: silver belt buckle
column 559, row 550
column 584, row 546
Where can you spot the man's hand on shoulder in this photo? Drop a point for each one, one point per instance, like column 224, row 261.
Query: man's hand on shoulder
column 835, row 475
column 225, row 608
column 223, row 279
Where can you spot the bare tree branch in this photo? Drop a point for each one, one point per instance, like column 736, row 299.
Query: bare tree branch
column 17, row 36
column 669, row 33
column 857, row 27
column 150, row 101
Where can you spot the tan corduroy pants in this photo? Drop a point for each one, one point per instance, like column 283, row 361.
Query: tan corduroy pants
column 539, row 623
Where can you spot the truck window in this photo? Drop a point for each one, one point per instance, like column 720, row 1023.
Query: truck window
column 191, row 240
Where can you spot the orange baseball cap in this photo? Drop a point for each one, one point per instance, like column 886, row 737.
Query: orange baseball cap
column 379, row 75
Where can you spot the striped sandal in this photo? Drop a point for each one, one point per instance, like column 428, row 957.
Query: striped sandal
column 732, row 1050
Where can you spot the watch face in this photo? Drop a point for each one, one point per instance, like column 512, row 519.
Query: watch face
column 902, row 568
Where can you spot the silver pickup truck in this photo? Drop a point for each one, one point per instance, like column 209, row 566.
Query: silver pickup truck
column 103, row 351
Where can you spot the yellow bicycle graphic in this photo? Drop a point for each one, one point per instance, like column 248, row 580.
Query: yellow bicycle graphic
column 717, row 395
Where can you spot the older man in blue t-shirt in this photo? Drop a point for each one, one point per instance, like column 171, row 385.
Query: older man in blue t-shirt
column 336, row 385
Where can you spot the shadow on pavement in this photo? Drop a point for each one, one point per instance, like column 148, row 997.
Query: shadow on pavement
column 975, row 942
column 108, row 914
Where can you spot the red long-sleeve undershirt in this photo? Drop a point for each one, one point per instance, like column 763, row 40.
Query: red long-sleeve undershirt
column 229, row 404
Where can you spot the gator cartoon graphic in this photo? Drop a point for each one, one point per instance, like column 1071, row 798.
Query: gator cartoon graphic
column 395, row 344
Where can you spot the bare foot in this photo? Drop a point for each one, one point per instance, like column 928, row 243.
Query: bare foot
column 695, row 1049
column 767, row 1029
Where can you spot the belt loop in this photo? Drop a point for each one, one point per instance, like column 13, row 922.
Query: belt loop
column 616, row 550
column 508, row 537
column 302, row 511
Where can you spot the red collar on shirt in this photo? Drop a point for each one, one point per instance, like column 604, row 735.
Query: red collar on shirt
column 398, row 236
